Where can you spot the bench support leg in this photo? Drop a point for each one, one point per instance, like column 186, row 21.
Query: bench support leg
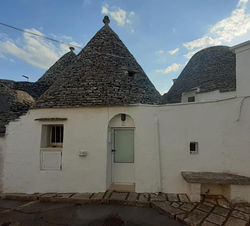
column 194, row 192
column 240, row 193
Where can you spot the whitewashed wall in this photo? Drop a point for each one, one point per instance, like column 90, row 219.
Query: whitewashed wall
column 85, row 129
column 207, row 96
column 162, row 137
column 242, row 69
column 2, row 148
column 222, row 129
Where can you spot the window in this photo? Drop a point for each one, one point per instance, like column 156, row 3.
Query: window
column 52, row 136
column 193, row 147
column 51, row 147
column 191, row 99
column 56, row 138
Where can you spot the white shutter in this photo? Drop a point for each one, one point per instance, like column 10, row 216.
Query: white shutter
column 51, row 160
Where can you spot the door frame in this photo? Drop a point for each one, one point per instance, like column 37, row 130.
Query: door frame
column 113, row 147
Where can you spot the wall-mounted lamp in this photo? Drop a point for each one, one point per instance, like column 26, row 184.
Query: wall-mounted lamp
column 123, row 117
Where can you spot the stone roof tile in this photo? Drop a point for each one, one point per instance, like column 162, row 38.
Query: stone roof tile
column 104, row 73
column 210, row 69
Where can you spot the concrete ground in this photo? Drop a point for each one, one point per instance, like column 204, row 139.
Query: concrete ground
column 119, row 208
column 36, row 213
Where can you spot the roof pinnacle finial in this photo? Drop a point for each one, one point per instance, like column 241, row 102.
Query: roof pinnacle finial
column 106, row 20
column 71, row 48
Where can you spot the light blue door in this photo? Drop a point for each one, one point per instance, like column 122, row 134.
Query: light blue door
column 123, row 156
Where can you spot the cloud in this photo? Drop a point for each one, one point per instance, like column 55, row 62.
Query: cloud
column 224, row 31
column 174, row 51
column 163, row 91
column 160, row 52
column 121, row 16
column 242, row 3
column 34, row 50
column 172, row 68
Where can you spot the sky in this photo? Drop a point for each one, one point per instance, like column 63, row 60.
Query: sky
column 161, row 34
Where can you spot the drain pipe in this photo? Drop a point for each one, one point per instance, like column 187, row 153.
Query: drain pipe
column 158, row 151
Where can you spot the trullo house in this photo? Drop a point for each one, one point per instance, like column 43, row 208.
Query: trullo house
column 95, row 121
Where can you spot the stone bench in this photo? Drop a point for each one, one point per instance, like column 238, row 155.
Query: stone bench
column 234, row 187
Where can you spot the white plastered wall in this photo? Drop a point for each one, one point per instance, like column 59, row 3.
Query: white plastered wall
column 207, row 96
column 242, row 69
column 85, row 129
column 222, row 129
column 2, row 149
column 162, row 138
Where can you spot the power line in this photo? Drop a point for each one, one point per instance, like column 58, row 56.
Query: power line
column 38, row 35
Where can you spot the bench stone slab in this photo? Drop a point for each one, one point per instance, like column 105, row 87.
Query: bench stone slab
column 215, row 178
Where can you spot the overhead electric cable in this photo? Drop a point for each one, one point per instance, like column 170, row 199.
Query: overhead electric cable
column 38, row 35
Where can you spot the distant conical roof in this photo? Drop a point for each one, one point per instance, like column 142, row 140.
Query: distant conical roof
column 213, row 68
column 13, row 104
column 104, row 73
column 57, row 68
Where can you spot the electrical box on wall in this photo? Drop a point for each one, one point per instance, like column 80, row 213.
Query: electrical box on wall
column 83, row 153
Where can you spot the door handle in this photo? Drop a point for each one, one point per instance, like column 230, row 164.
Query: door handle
column 113, row 150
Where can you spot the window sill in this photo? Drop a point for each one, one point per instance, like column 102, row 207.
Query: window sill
column 51, row 149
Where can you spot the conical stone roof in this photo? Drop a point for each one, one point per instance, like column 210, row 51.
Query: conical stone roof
column 55, row 71
column 104, row 73
column 210, row 69
column 13, row 104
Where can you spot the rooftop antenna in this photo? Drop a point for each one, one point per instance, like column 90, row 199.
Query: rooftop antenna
column 27, row 77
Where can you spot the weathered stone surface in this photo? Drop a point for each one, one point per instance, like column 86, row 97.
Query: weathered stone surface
column 172, row 197
column 206, row 223
column 107, row 195
column 210, row 199
column 195, row 217
column 210, row 69
column 13, row 104
column 204, row 207
column 232, row 221
column 203, row 213
column 132, row 198
column 12, row 107
column 223, row 202
column 217, row 219
column 118, row 197
column 143, row 199
column 221, row 211
column 20, row 196
column 243, row 208
column 215, row 178
column 104, row 73
column 176, row 204
column 181, row 216
column 157, row 197
column 47, row 197
column 80, row 198
column 62, row 197
column 166, row 207
column 187, row 206
column 56, row 70
column 97, row 196
column 241, row 215
column 208, row 204
column 183, row 198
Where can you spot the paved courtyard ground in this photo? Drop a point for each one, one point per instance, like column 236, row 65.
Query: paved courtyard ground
column 35, row 213
column 112, row 208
